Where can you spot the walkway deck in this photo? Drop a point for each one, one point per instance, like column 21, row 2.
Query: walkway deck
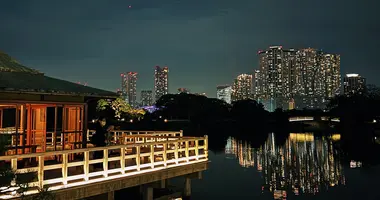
column 156, row 158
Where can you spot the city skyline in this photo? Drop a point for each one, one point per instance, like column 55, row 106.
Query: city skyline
column 161, row 81
column 309, row 77
column 353, row 83
column 146, row 98
column 213, row 41
column 129, row 87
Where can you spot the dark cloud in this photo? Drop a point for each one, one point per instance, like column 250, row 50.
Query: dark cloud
column 204, row 42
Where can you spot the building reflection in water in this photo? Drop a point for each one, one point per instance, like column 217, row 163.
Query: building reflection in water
column 304, row 164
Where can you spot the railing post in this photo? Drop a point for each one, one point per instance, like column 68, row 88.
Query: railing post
column 86, row 165
column 122, row 160
column 165, row 154
column 105, row 162
column 14, row 164
column 64, row 168
column 152, row 156
column 138, row 158
column 40, row 172
column 88, row 135
column 14, row 169
column 187, row 150
column 197, row 149
column 176, row 152
column 206, row 146
column 181, row 133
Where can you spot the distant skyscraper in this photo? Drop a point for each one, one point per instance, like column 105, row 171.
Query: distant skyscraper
column 296, row 78
column 242, row 88
column 146, row 98
column 319, row 78
column 224, row 93
column 256, row 84
column 128, row 87
column 353, row 84
column 160, row 82
column 275, row 75
column 332, row 77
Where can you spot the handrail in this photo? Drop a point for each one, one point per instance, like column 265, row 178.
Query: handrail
column 156, row 136
column 52, row 153
column 139, row 131
column 160, row 154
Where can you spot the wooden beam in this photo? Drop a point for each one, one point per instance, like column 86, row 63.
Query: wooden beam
column 1, row 118
column 17, row 125
column 55, row 127
column 82, row 125
column 85, row 121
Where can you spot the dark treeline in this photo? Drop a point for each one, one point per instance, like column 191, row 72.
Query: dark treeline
column 359, row 123
column 244, row 119
column 248, row 120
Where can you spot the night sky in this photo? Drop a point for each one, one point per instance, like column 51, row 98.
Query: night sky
column 203, row 42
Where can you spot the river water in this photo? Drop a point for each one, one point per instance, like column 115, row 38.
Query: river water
column 304, row 167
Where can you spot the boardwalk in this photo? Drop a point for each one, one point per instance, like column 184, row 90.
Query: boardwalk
column 70, row 174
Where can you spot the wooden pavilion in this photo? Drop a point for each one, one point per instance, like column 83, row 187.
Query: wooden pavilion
column 39, row 113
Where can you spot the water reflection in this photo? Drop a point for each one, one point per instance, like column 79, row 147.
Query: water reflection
column 304, row 164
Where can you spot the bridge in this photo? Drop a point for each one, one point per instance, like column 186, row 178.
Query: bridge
column 311, row 118
column 131, row 160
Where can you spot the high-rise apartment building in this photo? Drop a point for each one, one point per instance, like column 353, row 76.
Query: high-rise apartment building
column 146, row 97
column 309, row 90
column 160, row 82
column 242, row 88
column 128, row 88
column 319, row 78
column 304, row 78
column 224, row 93
column 354, row 84
column 256, row 84
column 332, row 77
column 276, row 72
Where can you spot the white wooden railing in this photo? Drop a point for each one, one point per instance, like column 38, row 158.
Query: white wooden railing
column 163, row 152
column 116, row 134
column 297, row 119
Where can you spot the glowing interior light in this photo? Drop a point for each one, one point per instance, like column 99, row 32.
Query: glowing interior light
column 352, row 75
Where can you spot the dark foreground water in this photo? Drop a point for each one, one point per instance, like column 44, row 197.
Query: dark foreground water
column 302, row 167
column 305, row 167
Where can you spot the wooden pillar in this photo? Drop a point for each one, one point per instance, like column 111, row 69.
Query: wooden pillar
column 111, row 195
column 17, row 126
column 63, row 136
column 147, row 193
column 1, row 118
column 55, row 127
column 22, row 117
column 200, row 175
column 29, row 125
column 163, row 184
column 84, row 125
column 187, row 190
column 24, row 126
column 76, row 120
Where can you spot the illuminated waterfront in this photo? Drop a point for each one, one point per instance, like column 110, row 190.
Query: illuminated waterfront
column 304, row 166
